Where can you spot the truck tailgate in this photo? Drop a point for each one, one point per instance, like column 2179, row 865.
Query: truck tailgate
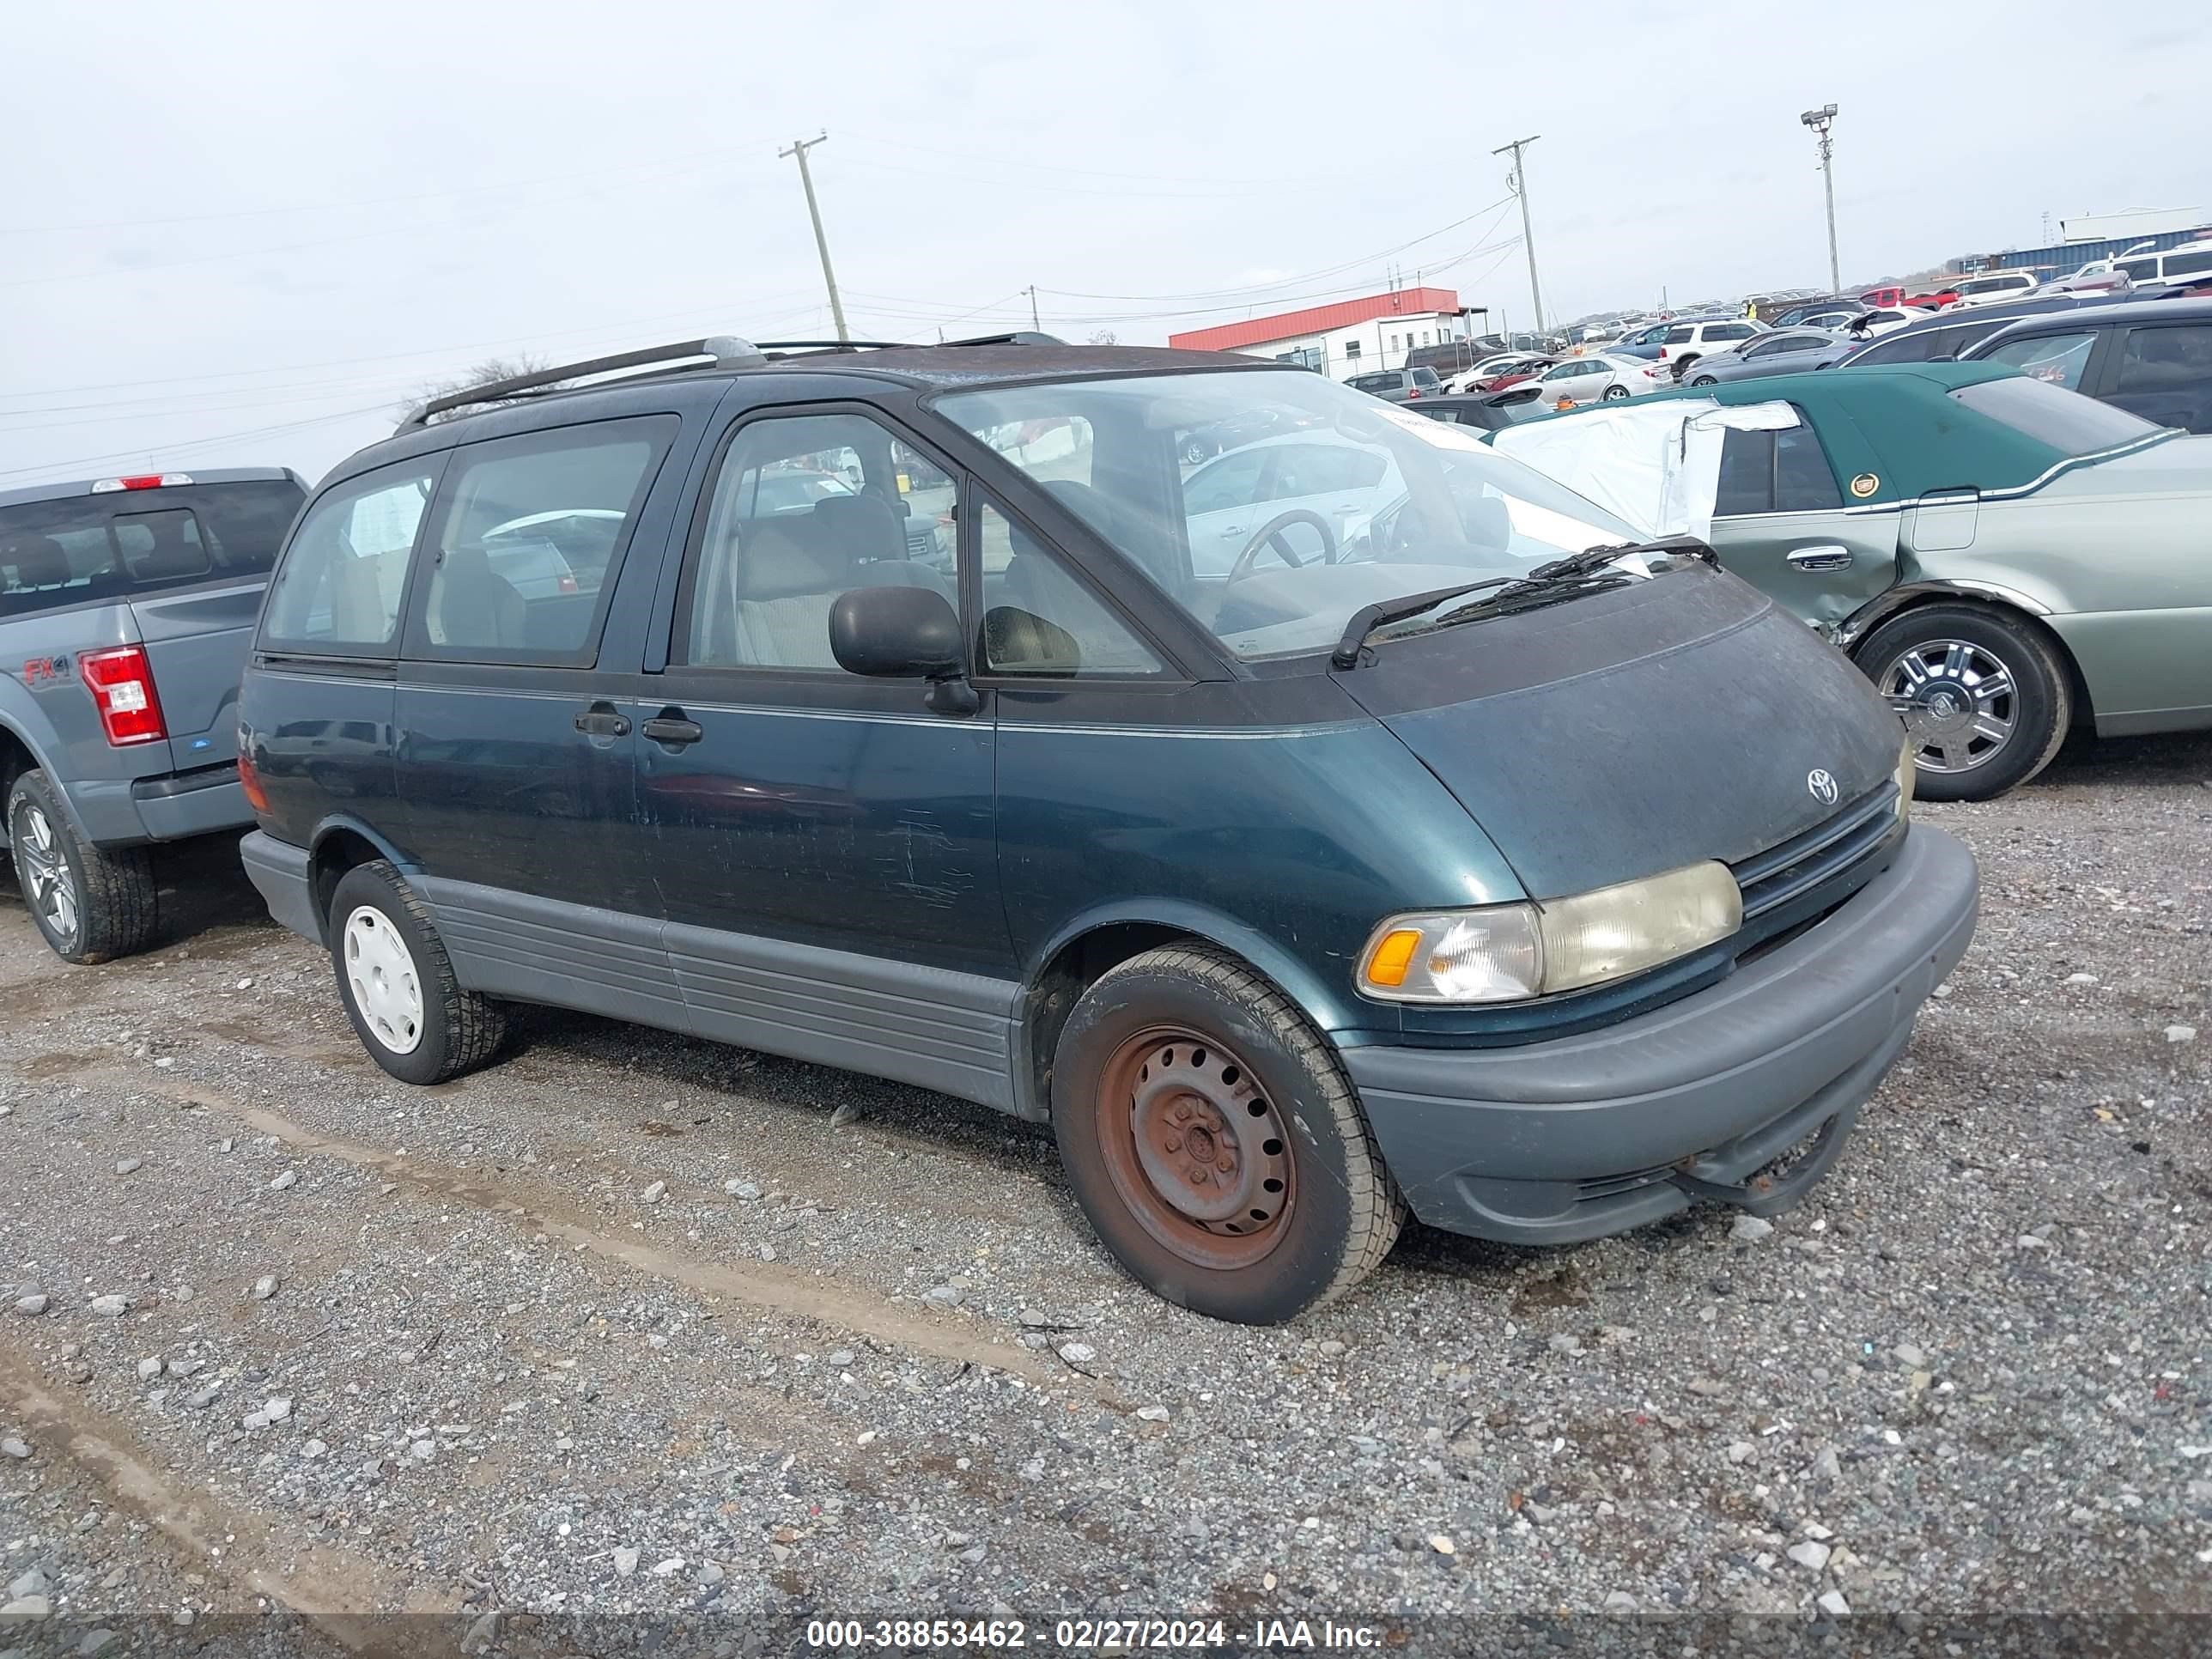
column 196, row 642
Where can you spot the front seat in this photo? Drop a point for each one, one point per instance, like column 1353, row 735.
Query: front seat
column 477, row 606
column 786, row 582
column 39, row 562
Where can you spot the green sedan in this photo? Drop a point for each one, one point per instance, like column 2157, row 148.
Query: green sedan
column 2003, row 557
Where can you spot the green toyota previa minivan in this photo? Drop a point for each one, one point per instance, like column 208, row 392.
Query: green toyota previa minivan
column 1353, row 825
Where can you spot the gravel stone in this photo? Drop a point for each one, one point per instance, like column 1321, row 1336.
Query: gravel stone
column 108, row 1307
column 33, row 1304
column 285, row 1181
column 266, row 1286
column 1810, row 1554
column 11, row 1447
column 653, row 1193
column 129, row 1166
column 1750, row 1228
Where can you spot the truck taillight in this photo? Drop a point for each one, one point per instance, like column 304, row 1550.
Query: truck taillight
column 121, row 681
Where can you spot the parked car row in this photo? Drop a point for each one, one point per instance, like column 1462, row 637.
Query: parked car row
column 1177, row 812
column 2006, row 559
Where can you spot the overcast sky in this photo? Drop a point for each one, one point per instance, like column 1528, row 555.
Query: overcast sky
column 240, row 233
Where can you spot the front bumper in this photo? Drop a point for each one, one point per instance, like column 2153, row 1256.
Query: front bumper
column 1584, row 1136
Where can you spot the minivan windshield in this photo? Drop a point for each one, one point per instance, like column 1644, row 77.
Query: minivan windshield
column 1318, row 501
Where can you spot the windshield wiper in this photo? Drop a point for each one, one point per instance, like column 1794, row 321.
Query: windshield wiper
column 1586, row 571
column 1369, row 618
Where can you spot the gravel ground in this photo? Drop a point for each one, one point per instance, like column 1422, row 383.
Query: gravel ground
column 628, row 1325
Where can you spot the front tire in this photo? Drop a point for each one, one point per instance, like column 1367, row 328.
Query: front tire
column 398, row 985
column 1985, row 698
column 91, row 904
column 1215, row 1143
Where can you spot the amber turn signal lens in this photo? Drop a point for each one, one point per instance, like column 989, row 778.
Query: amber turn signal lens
column 1392, row 956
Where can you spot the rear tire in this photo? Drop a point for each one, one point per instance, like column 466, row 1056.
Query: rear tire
column 1705, row 379
column 1215, row 1143
column 398, row 985
column 1987, row 695
column 91, row 904
column 1613, row 394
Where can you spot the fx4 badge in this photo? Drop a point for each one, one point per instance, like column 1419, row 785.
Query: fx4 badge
column 45, row 671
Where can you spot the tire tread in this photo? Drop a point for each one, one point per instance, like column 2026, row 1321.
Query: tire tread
column 119, row 902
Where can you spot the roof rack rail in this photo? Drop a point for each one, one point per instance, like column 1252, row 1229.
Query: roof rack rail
column 722, row 350
column 1025, row 337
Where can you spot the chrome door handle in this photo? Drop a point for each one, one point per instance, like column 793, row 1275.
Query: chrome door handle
column 1826, row 556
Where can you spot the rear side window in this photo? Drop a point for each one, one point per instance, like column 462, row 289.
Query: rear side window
column 2061, row 359
column 339, row 589
column 1802, row 480
column 2066, row 420
column 115, row 546
column 529, row 532
column 2188, row 264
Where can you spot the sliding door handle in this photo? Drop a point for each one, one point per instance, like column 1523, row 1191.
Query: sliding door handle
column 600, row 720
column 674, row 731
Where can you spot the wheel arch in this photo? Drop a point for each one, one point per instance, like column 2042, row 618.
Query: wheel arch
column 19, row 755
column 1086, row 946
column 341, row 844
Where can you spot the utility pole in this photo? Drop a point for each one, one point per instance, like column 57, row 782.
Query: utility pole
column 1818, row 120
column 799, row 147
column 1034, row 323
column 1517, row 181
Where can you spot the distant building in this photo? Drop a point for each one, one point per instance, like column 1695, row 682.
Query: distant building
column 2129, row 224
column 1345, row 337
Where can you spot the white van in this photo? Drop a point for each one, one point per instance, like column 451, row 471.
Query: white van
column 2190, row 263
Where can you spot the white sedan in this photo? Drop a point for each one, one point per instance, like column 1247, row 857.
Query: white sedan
column 1600, row 377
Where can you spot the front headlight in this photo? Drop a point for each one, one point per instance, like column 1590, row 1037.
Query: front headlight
column 1906, row 766
column 1509, row 952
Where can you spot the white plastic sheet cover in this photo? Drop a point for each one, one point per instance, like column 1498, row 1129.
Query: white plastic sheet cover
column 1655, row 464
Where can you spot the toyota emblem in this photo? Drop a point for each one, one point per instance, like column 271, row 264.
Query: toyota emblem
column 1822, row 784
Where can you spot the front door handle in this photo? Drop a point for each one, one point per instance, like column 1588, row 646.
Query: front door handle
column 673, row 731
column 600, row 720
column 1828, row 556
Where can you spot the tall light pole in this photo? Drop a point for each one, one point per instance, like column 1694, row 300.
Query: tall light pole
column 799, row 147
column 1818, row 120
column 1517, row 181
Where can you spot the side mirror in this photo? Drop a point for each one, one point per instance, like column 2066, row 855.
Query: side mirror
column 895, row 633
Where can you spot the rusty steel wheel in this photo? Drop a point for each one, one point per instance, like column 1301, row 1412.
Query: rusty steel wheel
column 1198, row 1153
column 1240, row 1183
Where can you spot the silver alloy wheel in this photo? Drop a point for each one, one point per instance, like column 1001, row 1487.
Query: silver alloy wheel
column 1958, row 701
column 386, row 989
column 45, row 871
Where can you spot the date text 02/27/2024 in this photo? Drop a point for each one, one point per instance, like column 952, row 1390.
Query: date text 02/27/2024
column 1089, row 1635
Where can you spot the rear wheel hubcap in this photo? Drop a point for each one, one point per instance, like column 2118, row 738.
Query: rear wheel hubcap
column 1958, row 700
column 46, row 880
column 1194, row 1147
column 379, row 970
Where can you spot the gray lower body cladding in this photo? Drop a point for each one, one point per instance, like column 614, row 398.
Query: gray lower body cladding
column 1584, row 1136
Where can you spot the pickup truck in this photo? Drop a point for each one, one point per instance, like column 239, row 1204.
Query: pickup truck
column 1879, row 299
column 125, row 608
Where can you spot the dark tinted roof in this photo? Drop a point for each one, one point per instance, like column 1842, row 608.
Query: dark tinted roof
column 2140, row 311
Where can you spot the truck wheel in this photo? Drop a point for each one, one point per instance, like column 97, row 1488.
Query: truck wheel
column 91, row 903
column 1214, row 1142
column 1985, row 699
column 398, row 985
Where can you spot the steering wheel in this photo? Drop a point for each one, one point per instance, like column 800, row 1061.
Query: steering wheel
column 1271, row 532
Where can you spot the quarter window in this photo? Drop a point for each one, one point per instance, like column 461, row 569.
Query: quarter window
column 1038, row 619
column 529, row 538
column 807, row 507
column 339, row 586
